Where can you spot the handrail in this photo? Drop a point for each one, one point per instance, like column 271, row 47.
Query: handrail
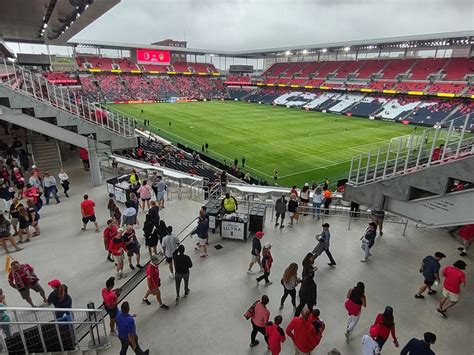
column 27, row 82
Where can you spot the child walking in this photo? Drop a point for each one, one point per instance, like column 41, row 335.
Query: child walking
column 266, row 263
column 275, row 335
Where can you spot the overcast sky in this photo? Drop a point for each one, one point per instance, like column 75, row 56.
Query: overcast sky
column 251, row 24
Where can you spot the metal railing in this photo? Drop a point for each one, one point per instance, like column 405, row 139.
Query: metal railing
column 37, row 86
column 44, row 330
column 417, row 152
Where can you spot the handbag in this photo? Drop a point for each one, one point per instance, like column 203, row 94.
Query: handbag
column 251, row 311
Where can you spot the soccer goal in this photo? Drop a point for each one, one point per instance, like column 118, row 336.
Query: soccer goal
column 408, row 141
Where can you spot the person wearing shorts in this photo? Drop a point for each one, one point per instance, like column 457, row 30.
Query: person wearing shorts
column 160, row 192
column 88, row 213
column 23, row 278
column 110, row 298
column 117, row 248
column 454, row 277
column 133, row 248
column 430, row 270
column 145, row 194
column 202, row 231
column 154, row 282
column 378, row 217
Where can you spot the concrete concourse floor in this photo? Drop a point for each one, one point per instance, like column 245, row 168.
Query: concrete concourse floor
column 210, row 321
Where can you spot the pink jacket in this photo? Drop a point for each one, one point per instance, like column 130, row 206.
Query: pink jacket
column 261, row 315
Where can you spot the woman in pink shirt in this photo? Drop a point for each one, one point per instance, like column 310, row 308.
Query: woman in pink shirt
column 259, row 320
column 145, row 194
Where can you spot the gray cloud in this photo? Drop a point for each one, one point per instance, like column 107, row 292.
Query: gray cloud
column 251, row 24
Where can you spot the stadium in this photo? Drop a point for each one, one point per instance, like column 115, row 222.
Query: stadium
column 352, row 134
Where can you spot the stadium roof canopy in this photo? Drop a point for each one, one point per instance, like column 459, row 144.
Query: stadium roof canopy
column 420, row 42
column 48, row 21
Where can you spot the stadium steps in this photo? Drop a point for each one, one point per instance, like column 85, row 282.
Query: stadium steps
column 45, row 152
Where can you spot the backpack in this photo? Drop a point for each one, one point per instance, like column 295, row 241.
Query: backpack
column 251, row 311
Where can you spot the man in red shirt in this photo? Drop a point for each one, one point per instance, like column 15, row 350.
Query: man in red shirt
column 88, row 213
column 466, row 232
column 117, row 248
column 303, row 333
column 22, row 277
column 110, row 298
column 109, row 233
column 454, row 277
column 154, row 282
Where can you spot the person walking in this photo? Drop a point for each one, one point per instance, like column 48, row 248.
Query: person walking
column 132, row 246
column 182, row 264
column 317, row 201
column 59, row 298
column 15, row 214
column 22, row 277
column 323, row 245
column 386, row 326
column 454, row 277
column 466, row 233
column 109, row 233
column 377, row 217
column 267, row 261
column 275, row 335
column 18, row 180
column 420, row 347
column 303, row 333
column 369, row 343
column 150, row 234
column 202, row 231
column 243, row 161
column 129, row 215
column 33, row 193
column 49, row 183
column 4, row 318
column 160, row 192
column 111, row 205
column 117, row 248
column 304, row 198
column 23, row 224
column 153, row 181
column 308, row 294
column 355, row 301
column 430, row 269
column 110, row 299
column 289, row 281
column 145, row 194
column 6, row 196
column 170, row 244
column 368, row 241
column 35, row 180
column 293, row 209
column 5, row 235
column 34, row 217
column 154, row 282
column 308, row 265
column 88, row 213
column 127, row 332
column 280, row 210
column 64, row 181
column 256, row 250
column 259, row 320
column 154, row 213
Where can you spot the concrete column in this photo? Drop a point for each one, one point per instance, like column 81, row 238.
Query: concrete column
column 94, row 163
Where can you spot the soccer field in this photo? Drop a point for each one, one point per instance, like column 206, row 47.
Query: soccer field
column 302, row 146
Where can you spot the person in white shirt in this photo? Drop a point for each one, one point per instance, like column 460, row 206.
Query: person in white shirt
column 64, row 179
column 35, row 181
column 317, row 201
column 170, row 243
column 369, row 345
column 49, row 183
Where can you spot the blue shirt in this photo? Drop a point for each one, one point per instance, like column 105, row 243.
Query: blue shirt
column 125, row 325
column 417, row 347
column 430, row 268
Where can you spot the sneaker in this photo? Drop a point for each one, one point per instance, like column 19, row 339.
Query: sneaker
column 460, row 248
column 146, row 301
column 432, row 292
column 277, row 224
column 123, row 275
column 380, row 234
column 443, row 313
column 177, row 299
column 463, row 254
column 139, row 266
column 258, row 282
column 113, row 333
column 131, row 266
column 204, row 256
column 187, row 292
column 255, row 343
column 363, row 260
column 419, row 296
column 332, row 264
column 110, row 259
column 118, row 276
column 268, row 283
column 281, row 307
column 250, row 272
column 164, row 306
column 197, row 250
column 282, row 226
column 346, row 334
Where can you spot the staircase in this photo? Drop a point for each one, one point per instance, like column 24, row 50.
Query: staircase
column 45, row 152
column 406, row 180
column 23, row 92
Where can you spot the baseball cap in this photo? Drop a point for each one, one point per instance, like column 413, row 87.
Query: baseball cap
column 120, row 230
column 155, row 259
column 54, row 283
column 268, row 245
column 259, row 234
column 439, row 254
column 306, row 184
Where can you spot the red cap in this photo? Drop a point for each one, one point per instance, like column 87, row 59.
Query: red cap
column 259, row 234
column 54, row 283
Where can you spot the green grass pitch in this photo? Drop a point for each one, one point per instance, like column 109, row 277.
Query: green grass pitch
column 302, row 146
